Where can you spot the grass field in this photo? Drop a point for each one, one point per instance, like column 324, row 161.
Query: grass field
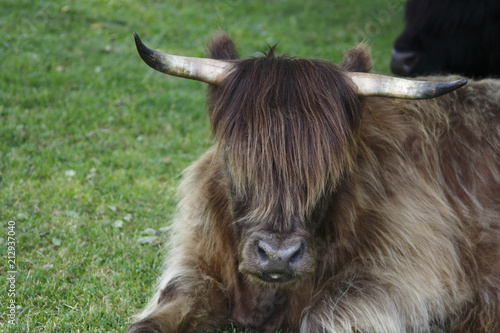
column 92, row 141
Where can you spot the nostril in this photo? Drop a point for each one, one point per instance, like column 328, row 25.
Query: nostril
column 266, row 252
column 262, row 254
column 409, row 62
column 297, row 255
column 410, row 58
column 403, row 63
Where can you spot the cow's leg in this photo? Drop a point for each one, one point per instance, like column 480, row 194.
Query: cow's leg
column 361, row 303
column 188, row 303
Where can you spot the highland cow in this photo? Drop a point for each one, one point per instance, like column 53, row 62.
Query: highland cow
column 333, row 200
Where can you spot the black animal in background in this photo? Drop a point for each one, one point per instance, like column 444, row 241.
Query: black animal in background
column 449, row 36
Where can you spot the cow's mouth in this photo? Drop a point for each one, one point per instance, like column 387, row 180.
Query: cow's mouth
column 271, row 277
column 273, row 280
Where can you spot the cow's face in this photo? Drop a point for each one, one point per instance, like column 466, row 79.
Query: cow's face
column 276, row 242
column 285, row 130
column 457, row 37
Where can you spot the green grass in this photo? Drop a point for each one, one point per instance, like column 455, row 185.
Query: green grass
column 89, row 135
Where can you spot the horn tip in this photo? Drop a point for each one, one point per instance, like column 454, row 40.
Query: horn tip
column 447, row 87
column 138, row 43
column 137, row 39
column 147, row 55
column 462, row 82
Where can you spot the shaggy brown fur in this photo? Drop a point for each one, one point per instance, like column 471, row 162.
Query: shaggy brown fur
column 396, row 201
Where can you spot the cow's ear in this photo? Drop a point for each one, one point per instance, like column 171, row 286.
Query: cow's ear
column 357, row 59
column 221, row 47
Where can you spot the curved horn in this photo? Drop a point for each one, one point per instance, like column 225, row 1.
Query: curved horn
column 380, row 85
column 201, row 69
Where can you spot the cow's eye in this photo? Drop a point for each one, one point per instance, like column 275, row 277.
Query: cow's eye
column 316, row 215
column 319, row 211
column 238, row 206
column 238, row 210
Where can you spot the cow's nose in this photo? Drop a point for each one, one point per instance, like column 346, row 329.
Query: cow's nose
column 403, row 63
column 278, row 261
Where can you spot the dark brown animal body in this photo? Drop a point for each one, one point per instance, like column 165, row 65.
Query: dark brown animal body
column 449, row 36
column 318, row 210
